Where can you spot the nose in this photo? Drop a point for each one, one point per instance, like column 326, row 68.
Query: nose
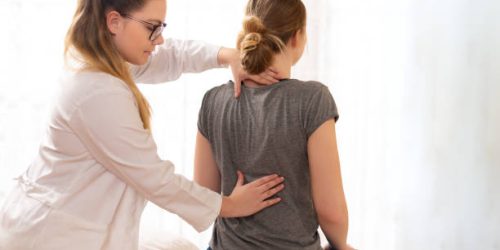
column 159, row 40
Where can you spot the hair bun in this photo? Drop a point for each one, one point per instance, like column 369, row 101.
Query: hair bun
column 253, row 24
column 251, row 41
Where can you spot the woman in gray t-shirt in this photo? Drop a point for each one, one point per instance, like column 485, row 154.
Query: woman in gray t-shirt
column 286, row 128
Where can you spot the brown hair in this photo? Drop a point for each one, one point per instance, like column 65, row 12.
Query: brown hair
column 268, row 26
column 90, row 38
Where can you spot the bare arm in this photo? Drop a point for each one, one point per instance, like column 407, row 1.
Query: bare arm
column 327, row 190
column 206, row 172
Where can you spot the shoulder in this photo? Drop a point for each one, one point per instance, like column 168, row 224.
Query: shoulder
column 76, row 88
column 307, row 88
column 314, row 97
column 307, row 85
column 83, row 85
column 220, row 92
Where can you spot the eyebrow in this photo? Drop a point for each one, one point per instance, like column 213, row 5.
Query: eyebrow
column 159, row 22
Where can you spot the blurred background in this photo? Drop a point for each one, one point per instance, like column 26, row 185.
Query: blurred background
column 417, row 85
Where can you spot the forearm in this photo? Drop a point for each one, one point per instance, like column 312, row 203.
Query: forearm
column 333, row 216
column 176, row 57
column 335, row 231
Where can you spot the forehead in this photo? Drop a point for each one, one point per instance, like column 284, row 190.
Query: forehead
column 153, row 9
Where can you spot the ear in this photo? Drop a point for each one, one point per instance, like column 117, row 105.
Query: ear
column 114, row 21
column 294, row 40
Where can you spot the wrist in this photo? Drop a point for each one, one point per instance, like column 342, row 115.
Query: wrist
column 226, row 209
column 227, row 56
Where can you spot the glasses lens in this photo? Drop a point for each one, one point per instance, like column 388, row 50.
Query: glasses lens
column 157, row 32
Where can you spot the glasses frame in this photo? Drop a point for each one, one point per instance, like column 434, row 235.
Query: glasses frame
column 155, row 28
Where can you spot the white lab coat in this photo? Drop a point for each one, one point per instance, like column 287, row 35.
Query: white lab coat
column 97, row 166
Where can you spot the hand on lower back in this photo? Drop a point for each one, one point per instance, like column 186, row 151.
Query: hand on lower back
column 250, row 198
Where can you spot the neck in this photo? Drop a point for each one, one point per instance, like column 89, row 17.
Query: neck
column 281, row 64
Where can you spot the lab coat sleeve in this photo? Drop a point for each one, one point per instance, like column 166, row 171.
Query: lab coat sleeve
column 109, row 125
column 175, row 57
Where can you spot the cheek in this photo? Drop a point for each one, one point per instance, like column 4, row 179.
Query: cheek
column 303, row 46
column 130, row 44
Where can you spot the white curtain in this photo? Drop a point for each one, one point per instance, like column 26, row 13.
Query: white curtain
column 416, row 83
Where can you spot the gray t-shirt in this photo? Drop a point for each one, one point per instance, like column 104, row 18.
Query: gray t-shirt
column 265, row 131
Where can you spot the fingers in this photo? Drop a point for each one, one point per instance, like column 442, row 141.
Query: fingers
column 268, row 203
column 271, row 75
column 267, row 78
column 262, row 79
column 272, row 191
column 258, row 79
column 272, row 71
column 263, row 180
column 270, row 184
column 241, row 179
column 237, row 87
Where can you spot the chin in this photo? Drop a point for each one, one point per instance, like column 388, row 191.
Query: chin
column 139, row 62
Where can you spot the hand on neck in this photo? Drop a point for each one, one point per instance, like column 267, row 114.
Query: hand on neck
column 282, row 64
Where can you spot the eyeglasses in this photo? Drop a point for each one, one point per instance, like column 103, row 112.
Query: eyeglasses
column 156, row 29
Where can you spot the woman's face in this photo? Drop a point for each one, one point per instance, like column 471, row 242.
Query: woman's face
column 131, row 35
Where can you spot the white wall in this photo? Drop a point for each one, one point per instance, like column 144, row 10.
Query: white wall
column 418, row 88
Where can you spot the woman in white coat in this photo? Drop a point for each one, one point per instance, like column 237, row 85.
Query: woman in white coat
column 98, row 164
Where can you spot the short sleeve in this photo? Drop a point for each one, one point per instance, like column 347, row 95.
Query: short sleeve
column 203, row 116
column 321, row 107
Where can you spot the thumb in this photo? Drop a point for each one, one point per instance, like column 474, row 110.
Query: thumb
column 241, row 179
column 237, row 86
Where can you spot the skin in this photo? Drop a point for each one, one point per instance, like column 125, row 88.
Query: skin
column 232, row 58
column 132, row 37
column 132, row 40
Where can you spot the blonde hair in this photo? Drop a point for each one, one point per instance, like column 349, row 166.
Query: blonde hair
column 267, row 27
column 90, row 38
